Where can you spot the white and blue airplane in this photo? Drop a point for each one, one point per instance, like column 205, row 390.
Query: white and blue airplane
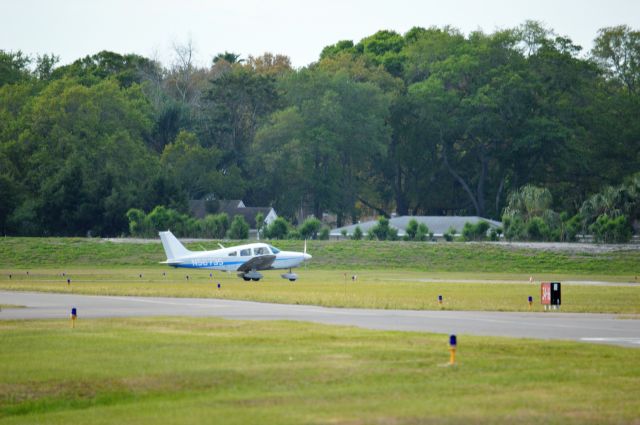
column 244, row 259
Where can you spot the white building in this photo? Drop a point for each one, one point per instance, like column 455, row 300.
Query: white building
column 438, row 225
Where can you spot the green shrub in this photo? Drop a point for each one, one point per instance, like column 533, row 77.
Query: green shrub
column 611, row 230
column 537, row 229
column 214, row 226
column 382, row 231
column 414, row 232
column 570, row 227
column 423, row 233
column 136, row 222
column 450, row 234
column 309, row 229
column 324, row 234
column 514, row 228
column 259, row 223
column 160, row 219
column 411, row 231
column 239, row 228
column 278, row 229
column 475, row 232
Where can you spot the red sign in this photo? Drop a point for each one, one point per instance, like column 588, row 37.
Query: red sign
column 545, row 293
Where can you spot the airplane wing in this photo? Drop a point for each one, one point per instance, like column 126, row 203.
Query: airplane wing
column 261, row 262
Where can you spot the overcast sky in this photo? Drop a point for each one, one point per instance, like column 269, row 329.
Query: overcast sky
column 297, row 28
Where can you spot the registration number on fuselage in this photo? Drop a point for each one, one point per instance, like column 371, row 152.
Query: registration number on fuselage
column 206, row 262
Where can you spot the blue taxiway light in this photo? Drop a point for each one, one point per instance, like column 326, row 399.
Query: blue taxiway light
column 453, row 340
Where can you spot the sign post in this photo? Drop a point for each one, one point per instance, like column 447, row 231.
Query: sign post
column 555, row 295
column 74, row 316
column 550, row 295
column 545, row 294
column 453, row 343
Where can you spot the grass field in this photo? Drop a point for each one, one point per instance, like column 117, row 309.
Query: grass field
column 332, row 255
column 178, row 370
column 389, row 274
column 394, row 289
column 166, row 370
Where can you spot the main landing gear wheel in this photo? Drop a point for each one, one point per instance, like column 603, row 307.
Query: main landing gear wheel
column 251, row 275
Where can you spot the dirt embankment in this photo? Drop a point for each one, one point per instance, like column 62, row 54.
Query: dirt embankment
column 570, row 247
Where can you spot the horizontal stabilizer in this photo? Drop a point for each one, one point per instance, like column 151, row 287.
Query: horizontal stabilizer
column 172, row 262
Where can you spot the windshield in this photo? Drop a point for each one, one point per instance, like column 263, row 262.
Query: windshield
column 274, row 249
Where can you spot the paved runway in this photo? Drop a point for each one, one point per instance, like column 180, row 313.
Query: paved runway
column 596, row 328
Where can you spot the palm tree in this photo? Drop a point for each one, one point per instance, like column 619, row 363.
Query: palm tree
column 529, row 201
column 228, row 57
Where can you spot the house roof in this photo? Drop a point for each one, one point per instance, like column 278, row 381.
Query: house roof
column 231, row 203
column 232, row 208
column 198, row 208
column 437, row 224
column 249, row 213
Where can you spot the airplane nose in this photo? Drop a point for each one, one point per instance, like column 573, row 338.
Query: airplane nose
column 307, row 257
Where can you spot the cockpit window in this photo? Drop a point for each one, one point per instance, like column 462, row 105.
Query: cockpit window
column 274, row 249
column 245, row 252
column 233, row 254
column 260, row 250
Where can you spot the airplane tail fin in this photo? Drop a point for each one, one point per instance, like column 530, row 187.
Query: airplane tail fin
column 172, row 246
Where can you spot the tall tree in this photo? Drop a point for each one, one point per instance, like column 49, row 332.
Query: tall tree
column 197, row 169
column 238, row 101
column 126, row 69
column 82, row 159
column 614, row 149
column 617, row 50
column 330, row 135
column 270, row 64
column 14, row 67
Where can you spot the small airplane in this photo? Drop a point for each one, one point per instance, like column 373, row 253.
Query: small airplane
column 245, row 259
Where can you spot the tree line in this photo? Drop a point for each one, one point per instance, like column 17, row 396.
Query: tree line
column 430, row 122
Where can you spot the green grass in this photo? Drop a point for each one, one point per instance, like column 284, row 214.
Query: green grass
column 166, row 370
column 389, row 274
column 332, row 255
column 395, row 289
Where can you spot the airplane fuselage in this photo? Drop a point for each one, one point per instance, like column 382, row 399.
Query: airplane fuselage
column 230, row 259
column 245, row 259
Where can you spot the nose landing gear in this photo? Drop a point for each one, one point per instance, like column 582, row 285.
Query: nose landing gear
column 291, row 276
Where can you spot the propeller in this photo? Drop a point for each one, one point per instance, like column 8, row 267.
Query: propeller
column 305, row 253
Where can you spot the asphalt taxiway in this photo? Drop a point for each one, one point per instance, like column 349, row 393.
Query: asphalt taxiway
column 592, row 328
